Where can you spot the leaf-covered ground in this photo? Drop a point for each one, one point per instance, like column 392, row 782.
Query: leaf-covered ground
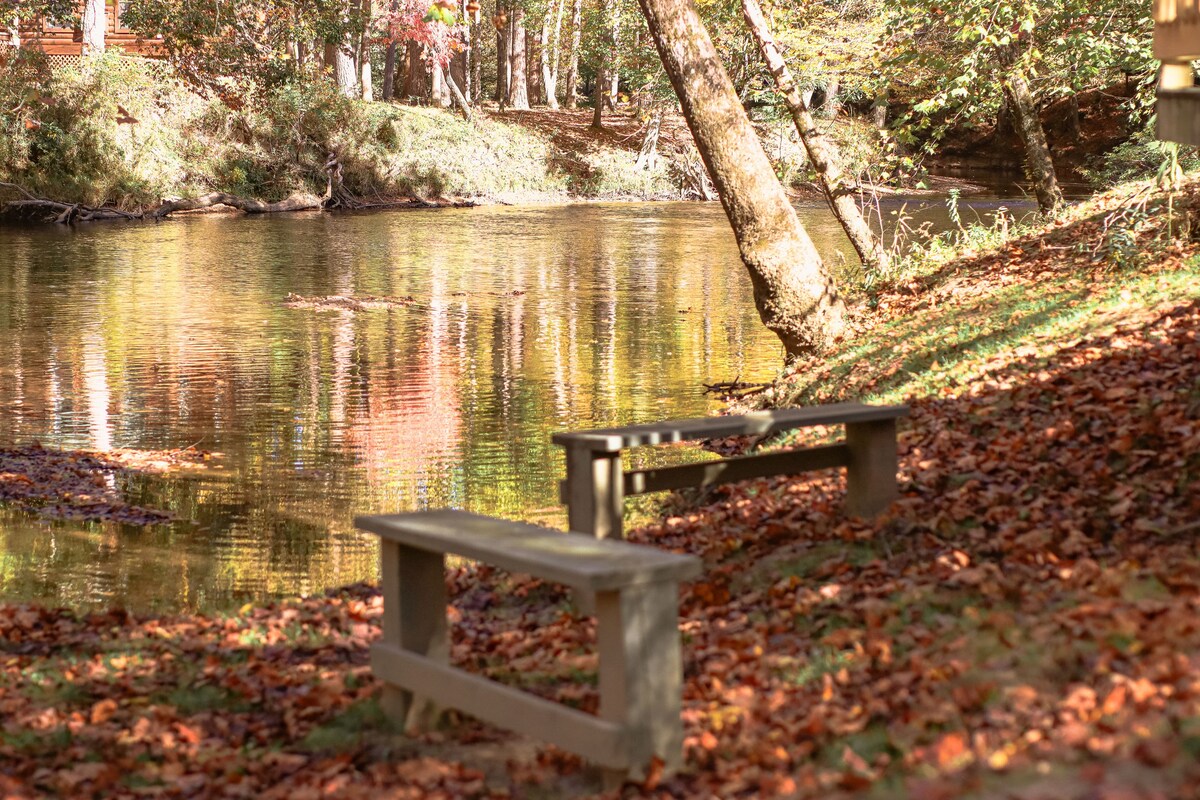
column 1023, row 623
column 81, row 484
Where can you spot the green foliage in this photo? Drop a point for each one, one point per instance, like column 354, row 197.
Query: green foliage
column 952, row 59
column 1142, row 156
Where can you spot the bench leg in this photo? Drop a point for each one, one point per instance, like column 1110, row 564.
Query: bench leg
column 413, row 583
column 871, row 474
column 595, row 493
column 641, row 671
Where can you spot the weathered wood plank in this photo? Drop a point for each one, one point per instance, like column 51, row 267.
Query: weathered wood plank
column 730, row 470
column 1179, row 116
column 756, row 423
column 578, row 561
column 604, row 742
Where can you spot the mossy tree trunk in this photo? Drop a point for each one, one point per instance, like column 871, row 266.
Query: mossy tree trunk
column 822, row 150
column 795, row 296
column 1039, row 167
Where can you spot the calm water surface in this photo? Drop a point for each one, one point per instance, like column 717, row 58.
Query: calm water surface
column 526, row 321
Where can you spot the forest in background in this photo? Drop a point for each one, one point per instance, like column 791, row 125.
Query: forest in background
column 260, row 98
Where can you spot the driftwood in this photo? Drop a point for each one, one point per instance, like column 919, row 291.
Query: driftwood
column 338, row 302
column 297, row 202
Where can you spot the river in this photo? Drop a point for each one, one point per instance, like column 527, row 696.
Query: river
column 524, row 321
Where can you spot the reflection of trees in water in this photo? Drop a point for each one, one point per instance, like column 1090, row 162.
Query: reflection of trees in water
column 324, row 415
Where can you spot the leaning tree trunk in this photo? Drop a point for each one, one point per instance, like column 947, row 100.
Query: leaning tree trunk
column 572, row 88
column 822, row 150
column 518, row 81
column 795, row 296
column 95, row 19
column 1039, row 167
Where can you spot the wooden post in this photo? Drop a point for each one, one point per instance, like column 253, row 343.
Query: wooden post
column 595, row 492
column 641, row 672
column 1176, row 75
column 413, row 584
column 871, row 474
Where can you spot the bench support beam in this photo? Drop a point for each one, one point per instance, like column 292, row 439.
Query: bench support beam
column 413, row 584
column 641, row 671
column 595, row 492
column 871, row 473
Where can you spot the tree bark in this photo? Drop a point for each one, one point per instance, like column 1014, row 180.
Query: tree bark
column 614, row 56
column 340, row 60
column 795, row 296
column 1039, row 167
column 879, row 109
column 598, row 96
column 95, row 19
column 503, row 65
column 572, row 88
column 389, row 72
column 476, row 93
column 416, row 78
column 518, row 82
column 533, row 72
column 549, row 56
column 821, row 149
column 832, row 104
column 464, row 105
column 439, row 93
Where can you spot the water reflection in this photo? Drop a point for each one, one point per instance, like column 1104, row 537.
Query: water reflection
column 526, row 321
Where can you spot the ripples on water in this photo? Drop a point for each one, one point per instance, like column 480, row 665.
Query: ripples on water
column 527, row 321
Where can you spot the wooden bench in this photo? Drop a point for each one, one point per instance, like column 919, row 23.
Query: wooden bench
column 596, row 486
column 637, row 610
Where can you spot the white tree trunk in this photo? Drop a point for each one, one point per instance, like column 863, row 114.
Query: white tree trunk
column 95, row 19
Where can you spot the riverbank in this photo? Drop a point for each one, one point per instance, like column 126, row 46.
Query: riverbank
column 1020, row 623
column 126, row 136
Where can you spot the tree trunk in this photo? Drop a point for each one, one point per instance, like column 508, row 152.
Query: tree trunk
column 832, row 104
column 549, row 79
column 879, row 109
column 572, row 87
column 502, row 66
column 439, row 93
column 460, row 100
column 795, row 296
column 368, row 82
column 1073, row 122
column 476, row 93
column 389, row 72
column 460, row 73
column 822, row 150
column 614, row 56
column 338, row 58
column 416, row 79
column 95, row 19
column 598, row 96
column 533, row 73
column 1039, row 167
column 518, row 82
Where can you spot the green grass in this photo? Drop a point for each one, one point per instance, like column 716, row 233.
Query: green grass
column 967, row 325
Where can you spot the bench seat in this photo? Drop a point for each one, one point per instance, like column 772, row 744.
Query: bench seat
column 637, row 631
